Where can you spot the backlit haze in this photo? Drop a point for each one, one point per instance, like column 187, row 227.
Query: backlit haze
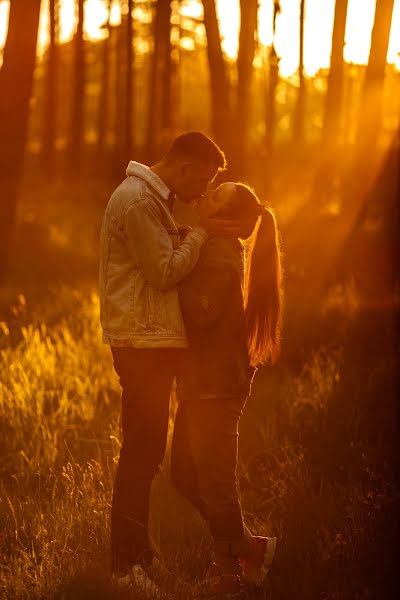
column 318, row 29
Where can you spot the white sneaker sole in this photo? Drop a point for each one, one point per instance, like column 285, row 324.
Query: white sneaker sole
column 136, row 578
column 268, row 558
column 269, row 555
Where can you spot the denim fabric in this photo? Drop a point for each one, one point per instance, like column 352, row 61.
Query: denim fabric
column 141, row 262
column 213, row 383
column 146, row 377
column 203, row 465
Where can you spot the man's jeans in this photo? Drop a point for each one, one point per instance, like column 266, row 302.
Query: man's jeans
column 203, row 466
column 146, row 377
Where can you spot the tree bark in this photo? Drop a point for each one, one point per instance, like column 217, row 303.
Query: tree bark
column 103, row 110
column 16, row 78
column 248, row 28
column 129, row 81
column 371, row 103
column 219, row 81
column 270, row 113
column 328, row 167
column 333, row 101
column 367, row 158
column 298, row 121
column 159, row 115
column 77, row 114
column 49, row 121
column 118, row 157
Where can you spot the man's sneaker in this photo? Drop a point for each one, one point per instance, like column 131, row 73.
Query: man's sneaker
column 255, row 566
column 136, row 578
column 219, row 585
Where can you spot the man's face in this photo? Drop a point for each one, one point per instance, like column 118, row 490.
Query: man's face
column 192, row 180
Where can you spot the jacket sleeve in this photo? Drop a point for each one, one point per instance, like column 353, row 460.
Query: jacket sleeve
column 150, row 245
column 204, row 293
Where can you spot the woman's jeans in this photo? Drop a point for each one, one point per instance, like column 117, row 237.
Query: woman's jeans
column 146, row 377
column 203, row 466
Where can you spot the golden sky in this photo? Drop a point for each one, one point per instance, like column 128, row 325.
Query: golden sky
column 318, row 28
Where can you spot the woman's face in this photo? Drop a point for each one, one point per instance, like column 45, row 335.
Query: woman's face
column 213, row 200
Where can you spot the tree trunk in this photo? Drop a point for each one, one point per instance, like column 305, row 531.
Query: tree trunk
column 270, row 113
column 248, row 28
column 219, row 82
column 129, row 81
column 371, row 103
column 159, row 115
column 328, row 166
column 118, row 158
column 103, row 110
column 16, row 78
column 298, row 121
column 367, row 159
column 333, row 101
column 50, row 96
column 77, row 114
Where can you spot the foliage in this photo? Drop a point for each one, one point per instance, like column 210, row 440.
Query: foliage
column 59, row 426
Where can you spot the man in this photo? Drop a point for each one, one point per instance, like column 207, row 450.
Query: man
column 141, row 262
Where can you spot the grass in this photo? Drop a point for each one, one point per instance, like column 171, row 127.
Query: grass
column 335, row 513
column 318, row 440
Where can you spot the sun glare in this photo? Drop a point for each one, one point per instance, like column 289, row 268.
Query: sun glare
column 4, row 11
column 229, row 18
column 317, row 30
column 115, row 16
column 67, row 20
column 358, row 30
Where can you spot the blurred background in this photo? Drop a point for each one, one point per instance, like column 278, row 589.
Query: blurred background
column 304, row 98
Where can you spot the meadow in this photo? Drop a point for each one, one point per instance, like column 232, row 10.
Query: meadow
column 318, row 442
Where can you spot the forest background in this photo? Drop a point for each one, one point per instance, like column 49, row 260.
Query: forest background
column 306, row 106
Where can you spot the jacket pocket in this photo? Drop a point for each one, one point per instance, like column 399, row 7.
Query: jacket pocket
column 157, row 309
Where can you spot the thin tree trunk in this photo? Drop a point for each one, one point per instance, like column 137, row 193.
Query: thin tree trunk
column 166, row 70
column 129, row 81
column 371, row 103
column 248, row 28
column 77, row 115
column 334, row 93
column 159, row 115
column 270, row 112
column 298, row 121
column 367, row 158
column 219, row 81
column 16, row 78
column 50, row 96
column 103, row 111
column 328, row 167
column 119, row 158
column 175, row 80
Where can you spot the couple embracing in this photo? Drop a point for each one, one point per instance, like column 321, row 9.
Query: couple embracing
column 187, row 305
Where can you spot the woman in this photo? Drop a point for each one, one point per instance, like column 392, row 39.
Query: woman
column 232, row 311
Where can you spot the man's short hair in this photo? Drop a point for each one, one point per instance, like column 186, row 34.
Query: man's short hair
column 194, row 145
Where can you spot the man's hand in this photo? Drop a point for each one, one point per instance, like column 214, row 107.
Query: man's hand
column 183, row 230
column 220, row 227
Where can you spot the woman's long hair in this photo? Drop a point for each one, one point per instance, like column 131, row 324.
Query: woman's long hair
column 263, row 274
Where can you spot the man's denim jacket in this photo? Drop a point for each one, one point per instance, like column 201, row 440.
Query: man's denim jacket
column 141, row 262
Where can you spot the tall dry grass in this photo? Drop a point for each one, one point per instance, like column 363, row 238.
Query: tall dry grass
column 307, row 472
